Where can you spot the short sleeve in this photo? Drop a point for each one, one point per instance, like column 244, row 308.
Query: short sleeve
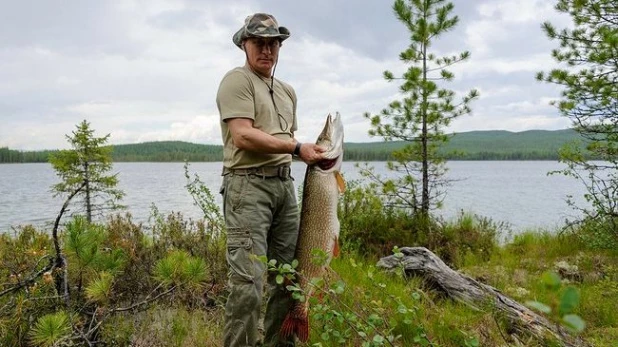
column 235, row 97
column 294, row 107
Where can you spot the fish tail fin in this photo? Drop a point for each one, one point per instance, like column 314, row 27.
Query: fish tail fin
column 296, row 322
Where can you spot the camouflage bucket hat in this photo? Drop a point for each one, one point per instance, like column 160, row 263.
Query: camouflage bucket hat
column 260, row 25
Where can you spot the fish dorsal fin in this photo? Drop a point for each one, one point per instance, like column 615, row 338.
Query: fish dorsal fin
column 340, row 181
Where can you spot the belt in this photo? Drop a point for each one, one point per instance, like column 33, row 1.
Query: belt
column 283, row 171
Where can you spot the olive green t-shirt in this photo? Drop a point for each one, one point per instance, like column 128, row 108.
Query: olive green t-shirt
column 244, row 94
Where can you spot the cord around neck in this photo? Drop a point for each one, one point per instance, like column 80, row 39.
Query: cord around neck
column 271, row 91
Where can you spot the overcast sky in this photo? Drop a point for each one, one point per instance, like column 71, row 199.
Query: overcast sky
column 149, row 70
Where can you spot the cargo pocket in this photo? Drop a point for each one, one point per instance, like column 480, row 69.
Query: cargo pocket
column 239, row 254
column 237, row 187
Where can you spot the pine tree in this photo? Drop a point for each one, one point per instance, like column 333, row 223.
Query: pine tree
column 425, row 110
column 590, row 100
column 88, row 163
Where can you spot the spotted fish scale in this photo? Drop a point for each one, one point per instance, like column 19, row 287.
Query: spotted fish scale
column 319, row 225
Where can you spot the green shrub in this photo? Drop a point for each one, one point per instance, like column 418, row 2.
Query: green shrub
column 107, row 269
column 110, row 266
column 598, row 233
column 372, row 228
column 468, row 239
column 23, row 253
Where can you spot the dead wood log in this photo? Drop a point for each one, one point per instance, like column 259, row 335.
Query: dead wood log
column 420, row 261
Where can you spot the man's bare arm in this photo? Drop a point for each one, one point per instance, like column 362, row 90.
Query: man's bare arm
column 248, row 138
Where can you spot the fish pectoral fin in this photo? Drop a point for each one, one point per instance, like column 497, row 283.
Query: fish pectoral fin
column 336, row 247
column 340, row 181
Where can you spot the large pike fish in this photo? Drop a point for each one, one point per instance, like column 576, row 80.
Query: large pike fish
column 319, row 226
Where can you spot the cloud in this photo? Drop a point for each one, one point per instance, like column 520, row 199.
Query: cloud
column 149, row 70
column 197, row 129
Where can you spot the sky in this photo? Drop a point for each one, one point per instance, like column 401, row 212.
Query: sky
column 149, row 70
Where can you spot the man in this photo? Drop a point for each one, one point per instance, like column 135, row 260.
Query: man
column 258, row 120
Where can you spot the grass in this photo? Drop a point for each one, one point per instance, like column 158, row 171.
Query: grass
column 358, row 304
column 164, row 326
column 516, row 269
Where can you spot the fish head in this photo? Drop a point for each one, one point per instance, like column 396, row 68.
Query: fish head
column 331, row 138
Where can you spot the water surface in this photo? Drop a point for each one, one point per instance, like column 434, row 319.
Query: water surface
column 517, row 192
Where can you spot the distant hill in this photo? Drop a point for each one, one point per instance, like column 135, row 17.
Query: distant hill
column 482, row 145
column 473, row 145
column 531, row 144
column 167, row 151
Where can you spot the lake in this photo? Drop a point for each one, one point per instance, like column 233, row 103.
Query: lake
column 516, row 192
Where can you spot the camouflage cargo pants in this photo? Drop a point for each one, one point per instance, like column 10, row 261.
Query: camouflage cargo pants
column 262, row 218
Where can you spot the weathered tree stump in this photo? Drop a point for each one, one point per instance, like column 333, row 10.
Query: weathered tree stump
column 420, row 261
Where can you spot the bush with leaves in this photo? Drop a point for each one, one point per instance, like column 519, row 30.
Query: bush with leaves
column 368, row 225
column 343, row 315
column 372, row 228
column 112, row 268
column 107, row 269
column 563, row 305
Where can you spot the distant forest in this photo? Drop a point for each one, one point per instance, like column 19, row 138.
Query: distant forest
column 474, row 145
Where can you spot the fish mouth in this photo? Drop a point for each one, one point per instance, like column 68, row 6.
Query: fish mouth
column 331, row 138
column 327, row 164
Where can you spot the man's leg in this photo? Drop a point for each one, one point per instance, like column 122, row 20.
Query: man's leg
column 248, row 220
column 281, row 246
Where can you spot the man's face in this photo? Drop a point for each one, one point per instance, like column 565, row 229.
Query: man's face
column 262, row 54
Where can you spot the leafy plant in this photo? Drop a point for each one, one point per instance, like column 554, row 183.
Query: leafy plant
column 340, row 315
column 562, row 310
column 204, row 199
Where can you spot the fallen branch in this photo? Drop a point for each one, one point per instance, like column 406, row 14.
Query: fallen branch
column 58, row 261
column 30, row 280
column 421, row 262
column 146, row 301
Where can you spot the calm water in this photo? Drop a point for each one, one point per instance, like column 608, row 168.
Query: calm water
column 517, row 192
